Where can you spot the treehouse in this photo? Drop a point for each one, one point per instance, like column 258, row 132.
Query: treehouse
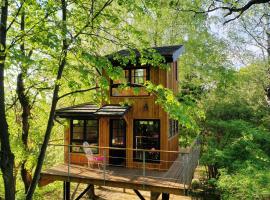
column 132, row 138
column 142, row 124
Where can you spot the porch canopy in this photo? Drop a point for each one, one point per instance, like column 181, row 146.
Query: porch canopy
column 92, row 110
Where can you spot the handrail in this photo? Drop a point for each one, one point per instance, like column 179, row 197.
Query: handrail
column 182, row 151
column 184, row 165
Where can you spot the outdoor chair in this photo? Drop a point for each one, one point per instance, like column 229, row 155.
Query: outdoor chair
column 91, row 159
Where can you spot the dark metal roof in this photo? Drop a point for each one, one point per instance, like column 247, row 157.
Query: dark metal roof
column 170, row 53
column 92, row 111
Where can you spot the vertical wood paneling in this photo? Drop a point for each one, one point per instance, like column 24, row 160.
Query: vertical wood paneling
column 143, row 107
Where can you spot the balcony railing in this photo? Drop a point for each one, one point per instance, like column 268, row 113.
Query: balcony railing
column 172, row 167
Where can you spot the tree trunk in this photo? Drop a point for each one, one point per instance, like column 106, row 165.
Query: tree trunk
column 212, row 171
column 26, row 108
column 267, row 32
column 25, row 174
column 62, row 64
column 6, row 156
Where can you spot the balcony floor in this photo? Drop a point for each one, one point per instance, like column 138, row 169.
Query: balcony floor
column 155, row 181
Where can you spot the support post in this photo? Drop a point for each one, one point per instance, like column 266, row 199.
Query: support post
column 139, row 194
column 104, row 167
column 154, row 195
column 91, row 192
column 165, row 196
column 69, row 150
column 66, row 190
column 143, row 169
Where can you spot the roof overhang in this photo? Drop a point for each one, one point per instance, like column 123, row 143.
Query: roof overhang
column 170, row 53
column 92, row 111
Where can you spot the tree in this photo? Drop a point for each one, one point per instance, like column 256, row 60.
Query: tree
column 6, row 156
column 72, row 40
column 236, row 135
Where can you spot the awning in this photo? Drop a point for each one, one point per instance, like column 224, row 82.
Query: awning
column 92, row 111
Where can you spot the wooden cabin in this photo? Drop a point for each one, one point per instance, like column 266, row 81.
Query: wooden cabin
column 122, row 132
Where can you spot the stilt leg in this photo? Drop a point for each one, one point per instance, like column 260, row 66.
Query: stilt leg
column 139, row 194
column 165, row 196
column 154, row 195
column 66, row 190
column 91, row 192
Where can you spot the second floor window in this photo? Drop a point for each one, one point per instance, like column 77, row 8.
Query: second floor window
column 138, row 76
column 135, row 77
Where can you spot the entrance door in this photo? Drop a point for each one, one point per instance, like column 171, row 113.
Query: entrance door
column 117, row 140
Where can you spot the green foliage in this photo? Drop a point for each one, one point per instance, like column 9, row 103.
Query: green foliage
column 236, row 136
column 184, row 113
column 247, row 183
column 225, row 105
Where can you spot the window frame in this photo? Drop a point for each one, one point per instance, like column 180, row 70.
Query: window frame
column 134, row 142
column 129, row 81
column 123, row 129
column 71, row 139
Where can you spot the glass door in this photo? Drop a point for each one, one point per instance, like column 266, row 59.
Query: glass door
column 117, row 142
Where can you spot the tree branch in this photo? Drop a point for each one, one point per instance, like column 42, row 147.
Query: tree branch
column 77, row 91
column 230, row 9
column 16, row 15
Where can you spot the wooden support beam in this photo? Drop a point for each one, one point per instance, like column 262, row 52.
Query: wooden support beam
column 90, row 190
column 66, row 188
column 165, row 196
column 139, row 194
column 154, row 195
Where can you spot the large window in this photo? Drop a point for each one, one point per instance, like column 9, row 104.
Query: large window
column 146, row 136
column 84, row 130
column 135, row 77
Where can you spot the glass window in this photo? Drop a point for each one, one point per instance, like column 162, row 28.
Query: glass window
column 146, row 136
column 135, row 77
column 84, row 130
column 118, row 133
column 126, row 77
column 138, row 76
column 78, row 126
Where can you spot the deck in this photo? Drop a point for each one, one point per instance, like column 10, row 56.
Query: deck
column 176, row 180
column 154, row 181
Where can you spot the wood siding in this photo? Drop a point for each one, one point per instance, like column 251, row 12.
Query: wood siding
column 143, row 107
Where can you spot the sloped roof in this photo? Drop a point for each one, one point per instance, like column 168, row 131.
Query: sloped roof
column 170, row 53
column 92, row 111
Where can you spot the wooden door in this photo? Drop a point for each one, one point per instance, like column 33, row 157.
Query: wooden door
column 117, row 151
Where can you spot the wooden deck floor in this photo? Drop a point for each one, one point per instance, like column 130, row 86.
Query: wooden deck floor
column 154, row 181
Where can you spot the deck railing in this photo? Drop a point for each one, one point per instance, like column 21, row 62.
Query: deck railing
column 148, row 163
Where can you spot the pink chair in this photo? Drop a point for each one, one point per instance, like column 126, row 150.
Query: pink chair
column 91, row 159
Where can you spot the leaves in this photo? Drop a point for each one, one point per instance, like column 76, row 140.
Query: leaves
column 186, row 115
